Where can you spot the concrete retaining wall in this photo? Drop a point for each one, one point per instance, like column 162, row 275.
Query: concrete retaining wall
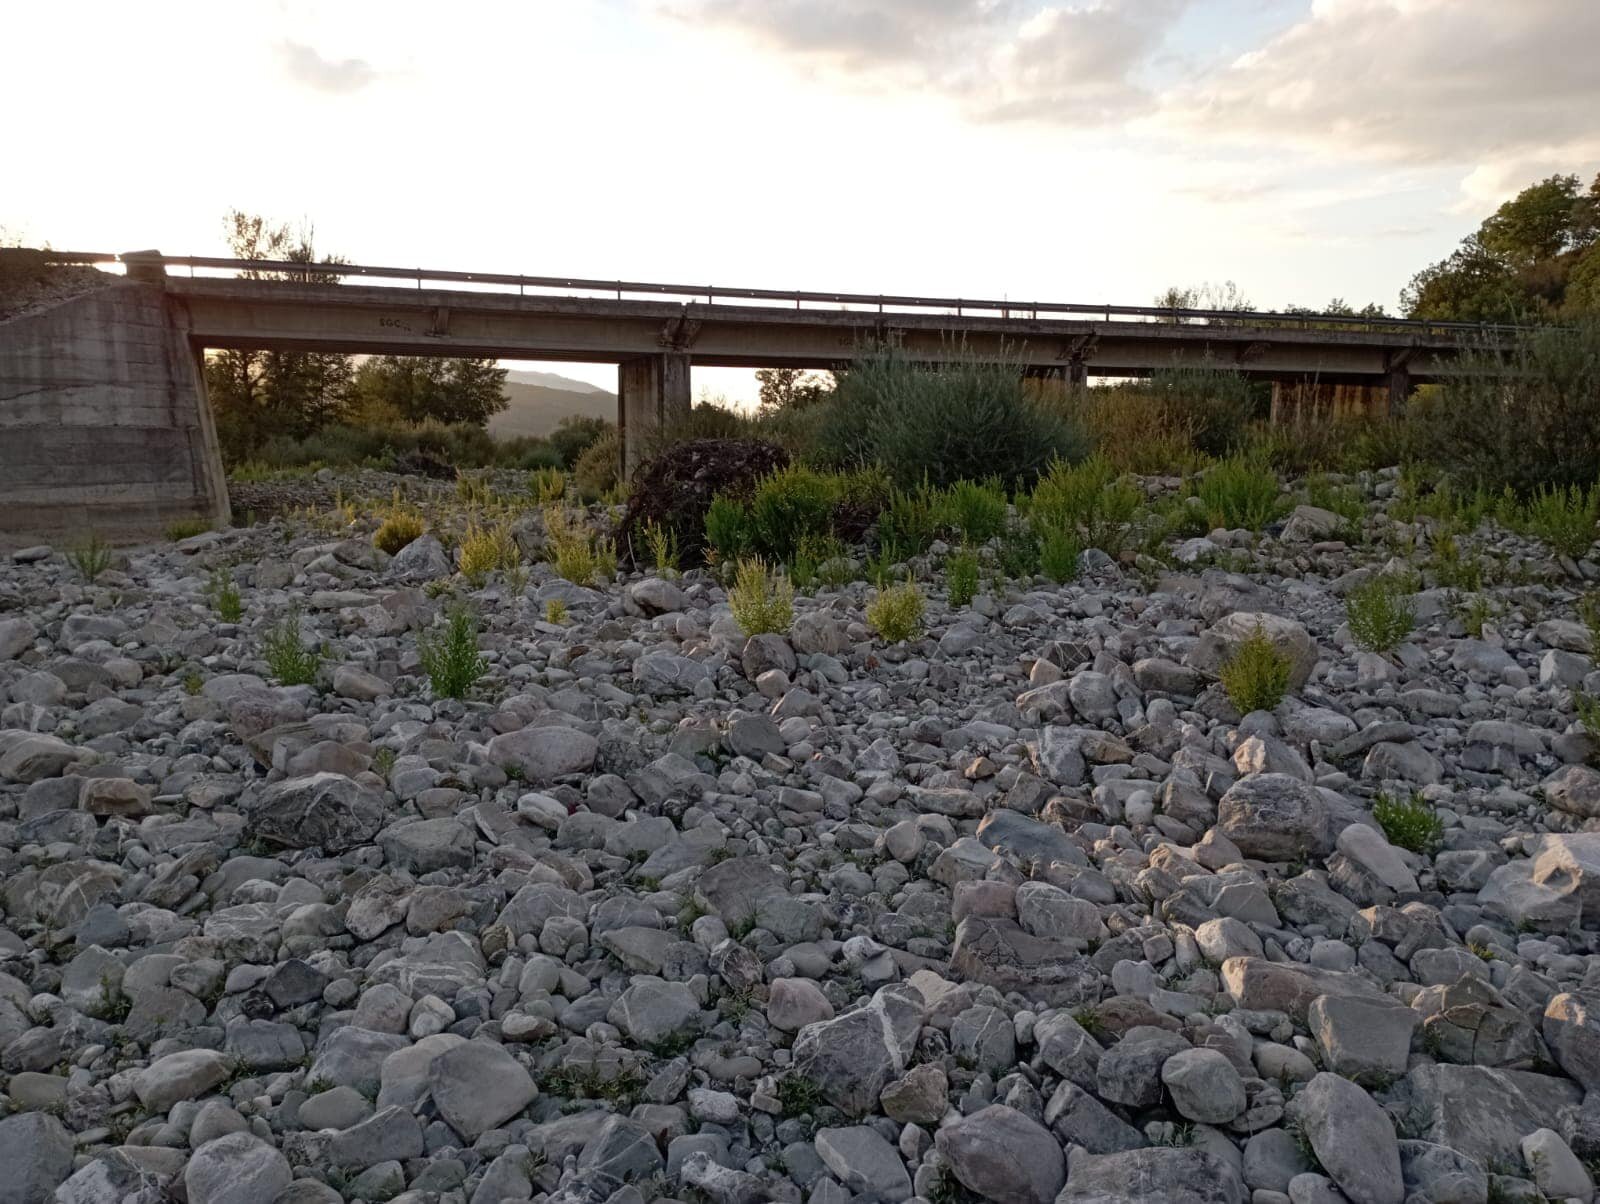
column 104, row 424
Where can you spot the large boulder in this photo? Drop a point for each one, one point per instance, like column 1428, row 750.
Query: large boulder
column 36, row 1154
column 238, row 1168
column 543, row 753
column 326, row 810
column 852, row 1058
column 478, row 1086
column 1480, row 1111
column 1352, row 1138
column 1220, row 643
column 1171, row 1175
column 1554, row 888
column 1004, row 1156
column 1274, row 817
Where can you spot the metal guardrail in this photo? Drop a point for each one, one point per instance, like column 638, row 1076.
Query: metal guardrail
column 882, row 302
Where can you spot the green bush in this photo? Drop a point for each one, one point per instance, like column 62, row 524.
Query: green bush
column 91, row 557
column 1564, row 518
column 961, row 576
column 1018, row 554
column 910, row 522
column 1256, row 676
column 1408, row 824
column 576, row 434
column 1090, row 499
column 225, row 597
column 1219, row 405
column 762, row 601
column 729, row 532
column 1380, row 614
column 1523, row 413
column 450, row 658
column 1240, row 492
column 789, row 506
column 975, row 511
column 896, row 612
column 598, row 469
column 960, row 420
column 1058, row 555
column 290, row 661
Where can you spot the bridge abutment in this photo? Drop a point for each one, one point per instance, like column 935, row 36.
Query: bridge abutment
column 104, row 425
column 652, row 392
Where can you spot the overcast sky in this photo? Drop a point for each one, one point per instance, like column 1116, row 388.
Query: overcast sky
column 1080, row 150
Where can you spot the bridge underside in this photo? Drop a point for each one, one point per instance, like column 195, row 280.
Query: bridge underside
column 106, row 344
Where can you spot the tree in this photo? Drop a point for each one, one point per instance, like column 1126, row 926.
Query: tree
column 391, row 388
column 575, row 434
column 790, row 388
column 1217, row 297
column 1528, row 259
column 259, row 394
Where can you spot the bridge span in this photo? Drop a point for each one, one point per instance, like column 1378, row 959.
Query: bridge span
column 655, row 333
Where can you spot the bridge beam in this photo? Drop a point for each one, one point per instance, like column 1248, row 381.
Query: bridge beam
column 652, row 392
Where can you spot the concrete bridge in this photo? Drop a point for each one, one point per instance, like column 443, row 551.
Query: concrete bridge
column 105, row 424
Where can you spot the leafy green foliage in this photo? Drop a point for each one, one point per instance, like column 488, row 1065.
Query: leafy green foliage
column 1090, row 499
column 422, row 388
column 187, row 528
column 223, row 591
column 547, row 484
column 290, row 661
column 1564, row 519
column 1058, row 555
column 790, row 505
column 1408, row 823
column 555, row 611
column 960, row 420
column 450, row 658
column 1256, row 676
column 961, row 576
column 1380, row 614
column 729, row 529
column 1522, row 413
column 975, row 511
column 91, row 557
column 664, row 553
column 1217, row 405
column 762, row 601
column 909, row 523
column 398, row 529
column 896, row 612
column 1240, row 492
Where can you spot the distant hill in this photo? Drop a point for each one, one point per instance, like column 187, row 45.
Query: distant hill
column 540, row 400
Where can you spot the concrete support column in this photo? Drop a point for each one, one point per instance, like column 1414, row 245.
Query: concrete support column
column 1078, row 372
column 1398, row 382
column 652, row 392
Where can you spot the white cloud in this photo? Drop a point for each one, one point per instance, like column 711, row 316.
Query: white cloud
column 1000, row 60
column 1412, row 81
column 305, row 65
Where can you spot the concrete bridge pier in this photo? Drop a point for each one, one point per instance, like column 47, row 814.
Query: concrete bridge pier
column 652, row 392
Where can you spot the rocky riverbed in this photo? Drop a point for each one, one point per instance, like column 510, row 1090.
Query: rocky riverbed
column 1021, row 911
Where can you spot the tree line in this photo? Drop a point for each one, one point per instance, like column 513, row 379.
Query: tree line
column 257, row 395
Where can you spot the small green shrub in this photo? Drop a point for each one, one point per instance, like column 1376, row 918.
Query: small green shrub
column 975, row 512
column 1018, row 554
column 1091, row 499
column 555, row 611
column 450, row 658
column 663, row 548
column 1588, row 708
column 1564, row 519
column 398, row 529
column 762, row 601
column 790, row 505
column 571, row 546
column 1240, row 492
column 961, row 576
column 814, row 552
column 1408, row 824
column 1218, row 404
column 910, row 521
column 1256, row 676
column 225, row 597
column 291, row 662
column 90, row 557
column 187, row 528
column 484, row 549
column 728, row 529
column 548, row 485
column 1058, row 555
column 1380, row 614
column 896, row 613
column 598, row 468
